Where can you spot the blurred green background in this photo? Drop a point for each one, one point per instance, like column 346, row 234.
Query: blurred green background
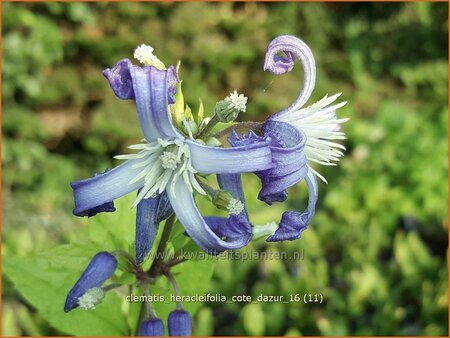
column 377, row 247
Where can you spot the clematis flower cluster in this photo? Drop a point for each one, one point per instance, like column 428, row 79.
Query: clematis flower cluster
column 168, row 168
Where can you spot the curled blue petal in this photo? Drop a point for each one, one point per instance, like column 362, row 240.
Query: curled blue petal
column 292, row 47
column 151, row 96
column 180, row 324
column 152, row 89
column 120, row 80
column 149, row 213
column 288, row 153
column 153, row 327
column 287, row 145
column 233, row 184
column 100, row 268
column 199, row 229
column 292, row 222
column 95, row 194
column 105, row 207
column 245, row 158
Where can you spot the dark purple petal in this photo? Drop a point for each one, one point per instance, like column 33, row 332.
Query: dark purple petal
column 100, row 268
column 119, row 79
column 292, row 47
column 233, row 229
column 106, row 207
column 97, row 193
column 292, row 222
column 151, row 96
column 179, row 323
column 149, row 213
column 153, row 327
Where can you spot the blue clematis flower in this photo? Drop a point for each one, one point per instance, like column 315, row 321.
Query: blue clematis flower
column 166, row 164
column 153, row 327
column 295, row 136
column 86, row 292
column 179, row 323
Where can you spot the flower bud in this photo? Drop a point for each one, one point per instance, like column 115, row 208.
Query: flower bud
column 228, row 109
column 180, row 323
column 221, row 199
column 152, row 327
column 100, row 268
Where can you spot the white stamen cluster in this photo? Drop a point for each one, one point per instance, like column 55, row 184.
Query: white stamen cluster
column 318, row 121
column 144, row 54
column 237, row 101
column 91, row 298
column 163, row 162
column 235, row 207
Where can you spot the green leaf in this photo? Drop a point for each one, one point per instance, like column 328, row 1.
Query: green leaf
column 45, row 279
column 115, row 230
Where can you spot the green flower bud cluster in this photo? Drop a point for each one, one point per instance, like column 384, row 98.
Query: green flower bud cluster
column 227, row 110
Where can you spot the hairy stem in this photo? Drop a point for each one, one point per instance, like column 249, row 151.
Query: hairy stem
column 172, row 280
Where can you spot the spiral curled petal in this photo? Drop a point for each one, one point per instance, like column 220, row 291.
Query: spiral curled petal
column 293, row 223
column 292, row 47
column 287, row 149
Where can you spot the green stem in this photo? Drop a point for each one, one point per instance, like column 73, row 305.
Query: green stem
column 127, row 256
column 142, row 313
column 111, row 287
column 175, row 261
column 150, row 309
column 172, row 280
column 209, row 127
column 155, row 269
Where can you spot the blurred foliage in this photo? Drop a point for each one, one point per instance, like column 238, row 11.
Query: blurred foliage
column 377, row 247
